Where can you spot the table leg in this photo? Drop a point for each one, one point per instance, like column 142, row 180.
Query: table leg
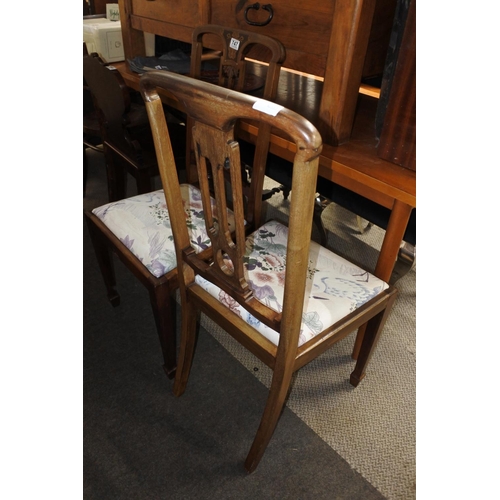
column 396, row 228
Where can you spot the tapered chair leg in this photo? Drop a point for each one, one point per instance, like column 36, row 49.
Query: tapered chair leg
column 164, row 311
column 280, row 386
column 105, row 260
column 372, row 333
column 190, row 316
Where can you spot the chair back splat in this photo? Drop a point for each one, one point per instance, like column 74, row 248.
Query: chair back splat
column 238, row 60
column 282, row 296
column 231, row 49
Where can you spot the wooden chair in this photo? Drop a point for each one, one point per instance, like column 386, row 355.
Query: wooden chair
column 221, row 55
column 139, row 236
column 285, row 298
column 130, row 228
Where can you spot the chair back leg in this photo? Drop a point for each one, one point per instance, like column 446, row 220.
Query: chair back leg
column 164, row 310
column 104, row 258
column 373, row 329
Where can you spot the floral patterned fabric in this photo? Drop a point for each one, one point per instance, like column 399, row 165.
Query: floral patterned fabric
column 334, row 286
column 142, row 223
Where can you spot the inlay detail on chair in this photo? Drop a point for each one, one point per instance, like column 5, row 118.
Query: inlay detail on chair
column 283, row 297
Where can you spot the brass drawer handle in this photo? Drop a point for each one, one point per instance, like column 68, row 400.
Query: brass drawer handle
column 256, row 6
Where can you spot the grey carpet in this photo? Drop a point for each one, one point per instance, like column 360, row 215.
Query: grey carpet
column 331, row 442
column 140, row 442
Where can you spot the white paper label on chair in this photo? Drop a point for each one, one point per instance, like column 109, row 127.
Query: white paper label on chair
column 270, row 108
column 234, row 44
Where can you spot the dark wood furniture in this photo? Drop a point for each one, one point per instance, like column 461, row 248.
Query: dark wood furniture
column 214, row 112
column 129, row 149
column 91, row 128
column 122, row 145
column 320, row 38
column 398, row 137
column 125, row 130
column 337, row 42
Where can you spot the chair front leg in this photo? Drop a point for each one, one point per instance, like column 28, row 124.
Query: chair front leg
column 190, row 316
column 278, row 392
column 164, row 311
column 370, row 339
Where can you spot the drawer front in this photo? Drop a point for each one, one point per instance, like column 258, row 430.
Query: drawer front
column 302, row 27
column 183, row 12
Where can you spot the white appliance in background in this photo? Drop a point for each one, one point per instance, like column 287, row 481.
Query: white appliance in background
column 105, row 38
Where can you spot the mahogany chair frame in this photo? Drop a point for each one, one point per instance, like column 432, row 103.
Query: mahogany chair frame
column 214, row 112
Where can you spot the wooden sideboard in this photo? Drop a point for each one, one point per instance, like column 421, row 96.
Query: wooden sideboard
column 330, row 39
column 338, row 41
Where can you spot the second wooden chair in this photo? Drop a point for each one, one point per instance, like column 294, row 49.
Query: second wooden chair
column 238, row 60
column 138, row 229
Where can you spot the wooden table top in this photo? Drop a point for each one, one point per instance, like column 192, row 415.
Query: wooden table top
column 354, row 165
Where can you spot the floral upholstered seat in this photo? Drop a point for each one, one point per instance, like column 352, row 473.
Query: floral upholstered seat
column 142, row 224
column 334, row 287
